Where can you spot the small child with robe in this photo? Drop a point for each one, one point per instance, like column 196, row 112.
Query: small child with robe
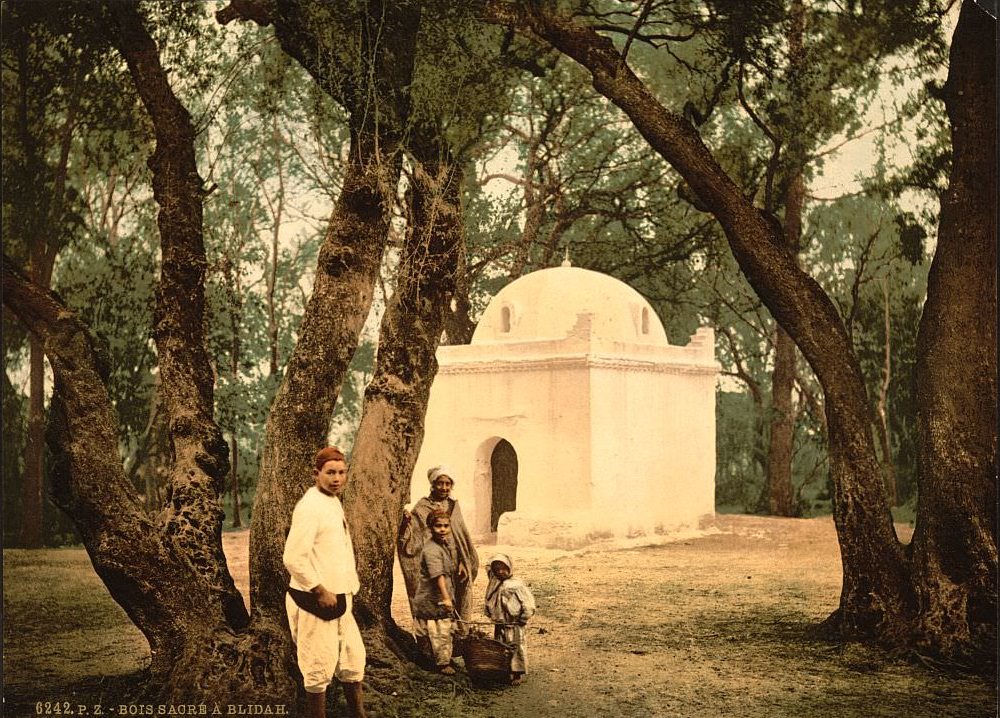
column 434, row 600
column 509, row 604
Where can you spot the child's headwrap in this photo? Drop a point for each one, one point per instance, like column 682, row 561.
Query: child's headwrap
column 502, row 558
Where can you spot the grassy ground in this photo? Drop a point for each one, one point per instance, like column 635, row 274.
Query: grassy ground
column 719, row 624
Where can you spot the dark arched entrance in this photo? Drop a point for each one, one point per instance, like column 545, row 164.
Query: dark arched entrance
column 503, row 468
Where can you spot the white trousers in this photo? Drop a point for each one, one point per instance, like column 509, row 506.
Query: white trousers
column 326, row 649
column 517, row 637
column 438, row 634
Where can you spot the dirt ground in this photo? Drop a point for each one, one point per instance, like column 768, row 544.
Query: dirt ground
column 714, row 624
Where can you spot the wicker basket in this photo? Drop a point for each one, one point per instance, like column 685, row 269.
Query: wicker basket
column 486, row 660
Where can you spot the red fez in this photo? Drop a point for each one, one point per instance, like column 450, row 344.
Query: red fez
column 329, row 453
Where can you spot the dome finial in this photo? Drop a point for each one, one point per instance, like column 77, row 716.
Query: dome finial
column 566, row 262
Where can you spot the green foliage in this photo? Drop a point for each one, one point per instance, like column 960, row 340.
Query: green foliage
column 273, row 149
column 461, row 84
column 862, row 250
column 347, row 413
column 272, row 144
column 68, row 121
column 912, row 238
column 768, row 98
column 740, row 462
column 111, row 287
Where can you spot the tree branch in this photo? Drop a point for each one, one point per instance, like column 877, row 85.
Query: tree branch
column 635, row 29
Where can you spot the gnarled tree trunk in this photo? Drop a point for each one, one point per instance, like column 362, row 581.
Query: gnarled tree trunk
column 954, row 546
column 300, row 416
column 168, row 572
column 392, row 425
column 350, row 257
column 192, row 516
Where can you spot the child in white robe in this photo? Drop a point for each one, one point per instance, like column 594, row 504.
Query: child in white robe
column 509, row 604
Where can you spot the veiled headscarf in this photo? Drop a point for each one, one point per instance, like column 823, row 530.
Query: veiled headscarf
column 441, row 470
column 508, row 600
column 502, row 558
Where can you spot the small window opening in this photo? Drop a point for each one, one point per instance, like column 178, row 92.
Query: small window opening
column 505, row 320
column 645, row 320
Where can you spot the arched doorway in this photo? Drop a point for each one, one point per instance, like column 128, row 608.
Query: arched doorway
column 503, row 469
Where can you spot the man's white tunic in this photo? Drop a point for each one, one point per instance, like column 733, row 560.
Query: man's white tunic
column 318, row 551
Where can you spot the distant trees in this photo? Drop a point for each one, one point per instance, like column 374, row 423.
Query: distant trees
column 44, row 83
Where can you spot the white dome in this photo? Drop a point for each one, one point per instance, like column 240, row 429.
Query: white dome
column 547, row 304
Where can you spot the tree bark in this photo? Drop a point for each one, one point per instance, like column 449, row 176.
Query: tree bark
column 954, row 546
column 882, row 408
column 392, row 423
column 193, row 515
column 375, row 94
column 141, row 564
column 350, row 256
column 300, row 416
column 876, row 599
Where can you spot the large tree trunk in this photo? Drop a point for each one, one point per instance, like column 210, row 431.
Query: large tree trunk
column 392, row 425
column 300, row 416
column 192, row 516
column 376, row 96
column 954, row 546
column 167, row 572
column 144, row 569
column 876, row 598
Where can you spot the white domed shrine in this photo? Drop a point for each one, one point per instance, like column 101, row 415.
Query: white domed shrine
column 548, row 304
column 570, row 417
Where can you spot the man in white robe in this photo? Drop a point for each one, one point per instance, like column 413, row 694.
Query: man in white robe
column 319, row 557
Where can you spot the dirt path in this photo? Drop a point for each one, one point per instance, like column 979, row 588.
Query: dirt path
column 712, row 625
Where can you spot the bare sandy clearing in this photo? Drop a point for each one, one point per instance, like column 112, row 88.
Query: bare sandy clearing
column 711, row 625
